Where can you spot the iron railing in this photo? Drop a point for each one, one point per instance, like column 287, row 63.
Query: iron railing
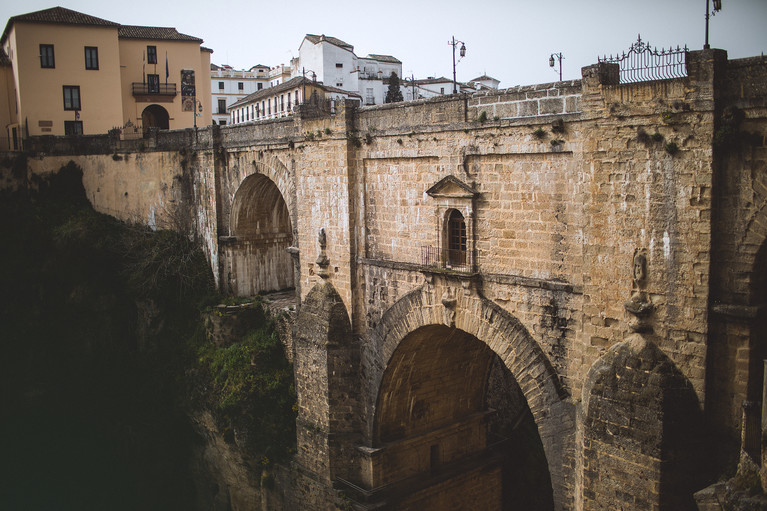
column 444, row 258
column 643, row 63
column 159, row 89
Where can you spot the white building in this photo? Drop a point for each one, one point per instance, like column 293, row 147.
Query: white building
column 333, row 62
column 484, row 82
column 432, row 87
column 230, row 85
column 282, row 99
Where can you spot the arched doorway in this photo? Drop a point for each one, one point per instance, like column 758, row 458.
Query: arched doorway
column 256, row 256
column 155, row 116
column 456, row 240
column 453, row 427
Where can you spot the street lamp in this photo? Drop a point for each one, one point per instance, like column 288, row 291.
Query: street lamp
column 462, row 52
column 717, row 8
column 303, row 82
column 559, row 57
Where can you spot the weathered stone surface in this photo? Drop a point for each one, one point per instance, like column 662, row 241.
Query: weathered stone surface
column 551, row 235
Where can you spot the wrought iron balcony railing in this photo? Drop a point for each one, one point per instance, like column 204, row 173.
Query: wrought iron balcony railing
column 154, row 89
column 434, row 257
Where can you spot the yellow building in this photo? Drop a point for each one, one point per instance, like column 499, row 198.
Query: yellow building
column 10, row 136
column 74, row 73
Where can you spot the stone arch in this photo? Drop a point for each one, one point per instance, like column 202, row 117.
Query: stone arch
column 258, row 208
column 461, row 308
column 737, row 344
column 155, row 116
column 641, row 423
column 268, row 165
column 262, row 229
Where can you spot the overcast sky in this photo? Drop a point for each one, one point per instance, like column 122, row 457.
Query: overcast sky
column 510, row 40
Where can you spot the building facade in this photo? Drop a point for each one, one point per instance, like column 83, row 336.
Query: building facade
column 281, row 100
column 231, row 85
column 333, row 62
column 78, row 74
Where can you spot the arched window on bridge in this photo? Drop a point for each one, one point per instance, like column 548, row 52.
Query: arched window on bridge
column 455, row 207
column 456, row 240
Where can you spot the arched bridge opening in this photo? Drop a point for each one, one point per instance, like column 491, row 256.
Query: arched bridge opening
column 256, row 259
column 453, row 429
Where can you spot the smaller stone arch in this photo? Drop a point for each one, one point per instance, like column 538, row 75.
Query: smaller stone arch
column 259, row 208
column 256, row 256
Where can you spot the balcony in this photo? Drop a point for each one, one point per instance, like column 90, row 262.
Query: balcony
column 445, row 259
column 154, row 89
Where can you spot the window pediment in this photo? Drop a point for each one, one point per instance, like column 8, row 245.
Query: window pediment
column 452, row 187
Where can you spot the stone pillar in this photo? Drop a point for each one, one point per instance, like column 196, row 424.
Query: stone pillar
column 326, row 364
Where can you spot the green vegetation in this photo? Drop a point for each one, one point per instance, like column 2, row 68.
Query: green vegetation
column 101, row 354
column 393, row 93
column 671, row 148
column 252, row 389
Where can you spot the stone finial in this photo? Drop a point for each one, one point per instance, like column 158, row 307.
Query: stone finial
column 322, row 260
column 639, row 306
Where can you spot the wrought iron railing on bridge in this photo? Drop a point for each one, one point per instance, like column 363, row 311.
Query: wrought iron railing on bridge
column 444, row 258
column 643, row 63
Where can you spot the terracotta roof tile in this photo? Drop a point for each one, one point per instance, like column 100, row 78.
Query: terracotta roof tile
column 60, row 15
column 332, row 40
column 384, row 58
column 154, row 33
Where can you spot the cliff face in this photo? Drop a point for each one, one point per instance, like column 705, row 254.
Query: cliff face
column 100, row 333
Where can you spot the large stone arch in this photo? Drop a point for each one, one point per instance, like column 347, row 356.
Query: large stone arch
column 737, row 344
column 457, row 305
column 262, row 227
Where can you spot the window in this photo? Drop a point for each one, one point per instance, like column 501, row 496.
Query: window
column 260, row 86
column 288, row 101
column 222, row 106
column 151, row 54
column 46, row 56
column 220, row 85
column 258, row 111
column 441, row 90
column 339, row 84
column 91, row 57
column 339, row 65
column 71, row 97
column 456, row 239
column 282, row 102
column 73, row 127
column 153, row 84
column 222, row 122
column 240, row 86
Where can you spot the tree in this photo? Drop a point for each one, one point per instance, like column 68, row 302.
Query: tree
column 394, row 94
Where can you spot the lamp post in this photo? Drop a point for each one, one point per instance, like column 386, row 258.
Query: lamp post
column 559, row 57
column 462, row 52
column 717, row 8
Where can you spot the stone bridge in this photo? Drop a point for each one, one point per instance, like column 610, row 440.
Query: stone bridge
column 545, row 297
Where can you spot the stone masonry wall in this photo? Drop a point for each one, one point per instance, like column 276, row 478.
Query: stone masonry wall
column 561, row 186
